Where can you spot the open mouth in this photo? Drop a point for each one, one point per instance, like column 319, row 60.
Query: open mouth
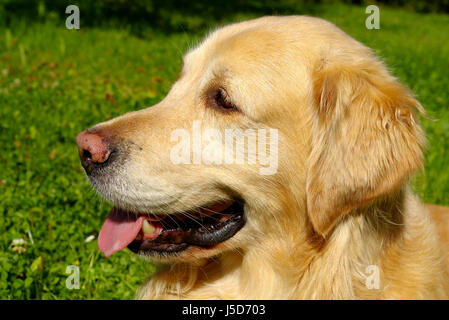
column 148, row 234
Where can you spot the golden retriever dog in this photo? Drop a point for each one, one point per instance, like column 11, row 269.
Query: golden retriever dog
column 321, row 209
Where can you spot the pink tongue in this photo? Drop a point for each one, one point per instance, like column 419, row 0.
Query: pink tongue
column 119, row 230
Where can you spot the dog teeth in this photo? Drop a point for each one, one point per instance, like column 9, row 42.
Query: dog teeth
column 148, row 228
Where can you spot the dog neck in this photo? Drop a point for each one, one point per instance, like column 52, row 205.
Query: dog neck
column 373, row 253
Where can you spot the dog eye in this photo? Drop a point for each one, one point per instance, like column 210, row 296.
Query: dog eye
column 222, row 100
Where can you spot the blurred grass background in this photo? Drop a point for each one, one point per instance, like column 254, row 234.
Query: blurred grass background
column 56, row 82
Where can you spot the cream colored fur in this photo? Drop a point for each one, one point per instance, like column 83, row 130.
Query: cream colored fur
column 349, row 139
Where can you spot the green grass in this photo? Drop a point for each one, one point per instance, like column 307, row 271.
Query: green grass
column 56, row 82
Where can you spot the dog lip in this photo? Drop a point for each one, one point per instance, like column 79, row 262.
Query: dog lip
column 204, row 236
column 200, row 211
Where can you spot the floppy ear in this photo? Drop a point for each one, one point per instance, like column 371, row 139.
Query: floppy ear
column 366, row 140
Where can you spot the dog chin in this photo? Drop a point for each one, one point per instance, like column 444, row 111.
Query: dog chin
column 192, row 254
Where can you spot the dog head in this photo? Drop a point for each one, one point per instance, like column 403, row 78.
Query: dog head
column 275, row 126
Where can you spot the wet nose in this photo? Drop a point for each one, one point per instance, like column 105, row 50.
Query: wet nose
column 94, row 149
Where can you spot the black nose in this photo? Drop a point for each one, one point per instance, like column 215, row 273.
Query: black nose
column 94, row 150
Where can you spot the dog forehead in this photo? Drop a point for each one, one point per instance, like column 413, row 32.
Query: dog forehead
column 267, row 42
column 240, row 45
column 250, row 53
